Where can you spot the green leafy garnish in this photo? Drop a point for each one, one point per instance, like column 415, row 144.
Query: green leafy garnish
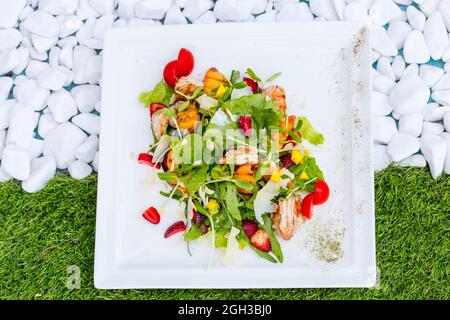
column 195, row 178
column 161, row 93
column 276, row 248
column 273, row 77
column 193, row 233
column 235, row 75
column 231, row 201
column 253, row 75
column 308, row 132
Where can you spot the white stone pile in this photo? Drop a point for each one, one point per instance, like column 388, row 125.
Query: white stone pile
column 51, row 62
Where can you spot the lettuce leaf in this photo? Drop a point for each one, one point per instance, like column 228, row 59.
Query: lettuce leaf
column 161, row 93
column 264, row 112
column 308, row 132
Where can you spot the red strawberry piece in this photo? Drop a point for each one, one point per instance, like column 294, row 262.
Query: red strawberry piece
column 286, row 160
column 152, row 215
column 249, row 227
column 261, row 241
column 145, row 158
column 155, row 107
column 245, row 123
column 185, row 63
column 252, row 84
column 178, row 226
column 170, row 73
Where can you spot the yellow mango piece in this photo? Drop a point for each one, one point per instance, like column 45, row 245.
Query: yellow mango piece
column 297, row 156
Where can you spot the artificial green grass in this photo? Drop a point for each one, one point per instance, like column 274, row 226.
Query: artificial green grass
column 43, row 234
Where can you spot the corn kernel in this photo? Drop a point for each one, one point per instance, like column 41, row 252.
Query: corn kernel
column 304, row 176
column 275, row 177
column 212, row 206
column 221, row 91
column 296, row 156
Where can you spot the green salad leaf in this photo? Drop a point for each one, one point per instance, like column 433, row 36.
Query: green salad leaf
column 232, row 201
column 195, row 178
column 264, row 112
column 161, row 93
column 308, row 132
column 276, row 248
column 193, row 233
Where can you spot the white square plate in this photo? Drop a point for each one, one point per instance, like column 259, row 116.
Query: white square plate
column 326, row 73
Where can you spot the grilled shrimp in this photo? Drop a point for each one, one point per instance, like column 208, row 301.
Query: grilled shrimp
column 188, row 118
column 277, row 94
column 186, row 86
column 240, row 155
column 159, row 122
column 246, row 173
column 287, row 218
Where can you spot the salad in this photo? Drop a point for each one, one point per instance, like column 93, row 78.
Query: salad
column 228, row 150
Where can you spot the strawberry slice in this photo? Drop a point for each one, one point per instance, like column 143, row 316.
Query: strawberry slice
column 145, row 158
column 252, row 84
column 249, row 227
column 178, row 226
column 286, row 160
column 261, row 241
column 155, row 107
column 152, row 215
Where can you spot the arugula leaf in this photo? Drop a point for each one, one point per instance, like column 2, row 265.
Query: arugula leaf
column 193, row 233
column 183, row 106
column 312, row 169
column 240, row 85
column 177, row 195
column 261, row 170
column 219, row 172
column 243, row 184
column 195, row 178
column 161, row 93
column 166, row 176
column 253, row 75
column 235, row 75
column 264, row 112
column 308, row 132
column 260, row 253
column 231, row 201
column 273, row 77
column 276, row 248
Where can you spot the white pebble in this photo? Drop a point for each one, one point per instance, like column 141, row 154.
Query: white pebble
column 86, row 32
column 174, row 16
column 85, row 10
column 409, row 95
column 102, row 25
column 71, row 40
column 148, row 9
column 195, row 8
column 428, row 7
column 446, row 120
column 42, row 170
column 46, row 123
column 6, row 84
column 2, row 141
column 398, row 31
column 415, row 17
column 381, row 159
column 381, row 83
column 4, row 176
column 86, row 96
column 398, row 66
column 86, row 152
column 233, row 10
column 66, row 56
column 382, row 43
column 415, row 49
column 443, row 83
column 69, row 25
column 416, row 160
column 9, row 12
column 22, row 121
column 401, row 146
column 37, row 56
column 446, row 137
column 126, row 8
column 380, row 104
column 5, row 109
column 434, row 150
column 259, row 7
column 61, row 143
column 384, row 128
column 93, row 69
column 323, row 8
column 16, row 162
column 293, row 12
column 411, row 124
column 35, row 68
column 62, row 105
column 269, row 16
column 80, row 56
column 432, row 128
column 430, row 74
column 444, row 9
column 411, row 70
column 137, row 22
column 52, row 79
column 103, row 7
column 35, row 149
column 436, row 36
column 79, row 170
column 437, row 114
column 98, row 106
column 60, row 7
column 43, row 44
column 9, row 60
column 95, row 161
column 89, row 122
column 385, row 68
column 355, row 11
column 441, row 96
column 42, row 24
column 24, row 59
column 9, row 39
column 384, row 11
